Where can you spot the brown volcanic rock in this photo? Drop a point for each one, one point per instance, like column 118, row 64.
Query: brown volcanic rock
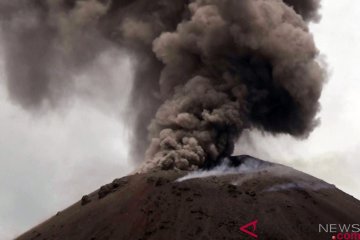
column 287, row 204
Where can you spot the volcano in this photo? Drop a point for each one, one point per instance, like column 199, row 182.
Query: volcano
column 244, row 198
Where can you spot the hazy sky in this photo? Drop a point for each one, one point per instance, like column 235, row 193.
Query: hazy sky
column 332, row 151
column 48, row 162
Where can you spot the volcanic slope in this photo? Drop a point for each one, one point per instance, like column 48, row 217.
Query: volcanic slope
column 205, row 205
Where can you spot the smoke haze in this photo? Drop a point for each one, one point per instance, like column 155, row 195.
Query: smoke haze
column 204, row 70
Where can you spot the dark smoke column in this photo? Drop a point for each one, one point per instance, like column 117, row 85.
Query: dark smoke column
column 204, row 69
column 233, row 65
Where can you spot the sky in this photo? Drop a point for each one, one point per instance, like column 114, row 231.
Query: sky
column 49, row 161
column 332, row 151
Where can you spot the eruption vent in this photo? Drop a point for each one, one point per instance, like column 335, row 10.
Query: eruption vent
column 205, row 69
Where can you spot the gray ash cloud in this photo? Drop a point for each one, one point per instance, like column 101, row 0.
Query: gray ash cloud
column 205, row 70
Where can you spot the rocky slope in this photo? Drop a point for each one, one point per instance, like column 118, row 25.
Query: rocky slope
column 163, row 205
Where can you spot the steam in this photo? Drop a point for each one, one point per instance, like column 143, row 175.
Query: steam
column 205, row 70
column 316, row 186
column 249, row 168
column 252, row 168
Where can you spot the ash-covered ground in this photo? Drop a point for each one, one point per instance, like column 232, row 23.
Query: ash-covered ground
column 206, row 205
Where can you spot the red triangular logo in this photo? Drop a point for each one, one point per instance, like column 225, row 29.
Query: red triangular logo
column 251, row 224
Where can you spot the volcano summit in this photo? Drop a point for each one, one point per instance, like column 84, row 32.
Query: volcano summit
column 205, row 205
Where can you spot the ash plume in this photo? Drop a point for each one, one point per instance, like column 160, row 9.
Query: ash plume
column 205, row 70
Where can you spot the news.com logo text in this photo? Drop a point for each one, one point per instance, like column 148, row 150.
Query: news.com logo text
column 341, row 231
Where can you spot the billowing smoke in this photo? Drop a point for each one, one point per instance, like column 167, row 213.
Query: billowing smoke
column 205, row 70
